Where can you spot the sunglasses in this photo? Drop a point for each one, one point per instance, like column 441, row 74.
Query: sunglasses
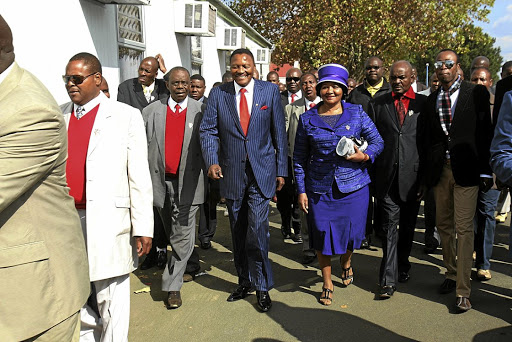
column 75, row 79
column 294, row 79
column 448, row 64
column 373, row 67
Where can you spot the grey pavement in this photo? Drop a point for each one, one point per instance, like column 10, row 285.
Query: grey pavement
column 415, row 313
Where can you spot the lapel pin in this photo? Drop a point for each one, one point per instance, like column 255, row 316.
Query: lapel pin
column 190, row 124
column 256, row 105
column 411, row 112
column 347, row 127
column 96, row 131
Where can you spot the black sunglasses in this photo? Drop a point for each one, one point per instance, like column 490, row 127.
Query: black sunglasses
column 295, row 79
column 373, row 67
column 448, row 63
column 75, row 79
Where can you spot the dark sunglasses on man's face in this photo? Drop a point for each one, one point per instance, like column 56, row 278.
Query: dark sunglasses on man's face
column 75, row 79
column 373, row 67
column 448, row 63
column 294, row 79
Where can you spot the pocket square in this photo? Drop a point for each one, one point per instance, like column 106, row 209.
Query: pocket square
column 263, row 107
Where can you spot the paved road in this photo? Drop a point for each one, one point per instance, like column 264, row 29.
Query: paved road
column 415, row 313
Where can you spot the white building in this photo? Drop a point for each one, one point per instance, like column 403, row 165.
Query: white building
column 198, row 35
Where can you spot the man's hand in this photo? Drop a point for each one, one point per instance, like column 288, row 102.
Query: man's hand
column 279, row 183
column 143, row 245
column 485, row 184
column 215, row 172
column 303, row 202
column 161, row 63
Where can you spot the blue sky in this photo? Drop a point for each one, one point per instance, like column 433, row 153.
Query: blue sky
column 500, row 27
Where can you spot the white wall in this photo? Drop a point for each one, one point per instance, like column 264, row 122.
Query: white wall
column 48, row 32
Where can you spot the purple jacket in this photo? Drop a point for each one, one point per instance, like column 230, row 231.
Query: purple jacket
column 315, row 160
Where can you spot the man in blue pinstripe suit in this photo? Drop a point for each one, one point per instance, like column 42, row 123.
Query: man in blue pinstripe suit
column 243, row 138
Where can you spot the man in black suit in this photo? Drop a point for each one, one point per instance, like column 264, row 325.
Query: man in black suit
column 395, row 173
column 197, row 88
column 374, row 84
column 416, row 85
column 207, row 210
column 285, row 198
column 457, row 138
column 504, row 85
column 140, row 92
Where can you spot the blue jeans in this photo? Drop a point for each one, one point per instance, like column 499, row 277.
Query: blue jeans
column 485, row 226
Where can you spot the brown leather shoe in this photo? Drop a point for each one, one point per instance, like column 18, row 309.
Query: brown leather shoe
column 174, row 300
column 463, row 304
column 187, row 277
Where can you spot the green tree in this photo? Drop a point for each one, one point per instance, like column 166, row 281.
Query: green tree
column 316, row 32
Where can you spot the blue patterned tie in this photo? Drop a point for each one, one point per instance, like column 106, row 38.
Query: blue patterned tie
column 79, row 112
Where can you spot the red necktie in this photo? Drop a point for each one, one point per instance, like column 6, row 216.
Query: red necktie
column 244, row 111
column 293, row 97
column 311, row 105
column 177, row 109
column 400, row 109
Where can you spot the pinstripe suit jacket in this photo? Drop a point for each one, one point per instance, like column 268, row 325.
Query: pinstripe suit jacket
column 223, row 141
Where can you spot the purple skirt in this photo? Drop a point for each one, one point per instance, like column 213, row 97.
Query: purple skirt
column 337, row 221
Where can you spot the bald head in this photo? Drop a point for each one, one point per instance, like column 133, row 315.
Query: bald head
column 401, row 77
column 6, row 47
column 293, row 76
column 480, row 62
column 148, row 70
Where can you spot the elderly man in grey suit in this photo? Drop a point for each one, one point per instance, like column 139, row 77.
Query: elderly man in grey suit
column 177, row 173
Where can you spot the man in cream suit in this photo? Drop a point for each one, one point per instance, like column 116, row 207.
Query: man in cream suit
column 177, row 171
column 43, row 263
column 108, row 176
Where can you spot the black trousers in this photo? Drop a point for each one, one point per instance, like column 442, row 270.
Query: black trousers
column 398, row 242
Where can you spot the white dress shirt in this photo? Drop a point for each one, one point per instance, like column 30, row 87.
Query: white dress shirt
column 298, row 95
column 183, row 104
column 88, row 106
column 248, row 96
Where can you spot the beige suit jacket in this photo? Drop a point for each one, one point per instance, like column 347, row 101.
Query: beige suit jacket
column 118, row 188
column 43, row 263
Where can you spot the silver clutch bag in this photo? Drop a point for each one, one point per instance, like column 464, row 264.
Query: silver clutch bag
column 346, row 145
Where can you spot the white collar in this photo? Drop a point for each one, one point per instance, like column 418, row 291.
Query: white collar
column 6, row 72
column 315, row 101
column 249, row 87
column 183, row 104
column 91, row 104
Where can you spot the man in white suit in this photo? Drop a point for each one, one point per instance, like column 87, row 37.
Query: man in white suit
column 178, row 175
column 108, row 176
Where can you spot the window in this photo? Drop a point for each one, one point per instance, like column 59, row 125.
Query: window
column 130, row 40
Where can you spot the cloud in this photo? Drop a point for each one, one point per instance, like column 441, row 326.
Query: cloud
column 505, row 42
column 507, row 18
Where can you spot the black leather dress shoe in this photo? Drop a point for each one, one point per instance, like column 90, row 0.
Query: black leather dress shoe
column 205, row 244
column 365, row 244
column 240, row 293
column 403, row 277
column 386, row 291
column 264, row 302
column 308, row 259
column 149, row 262
column 447, row 286
column 463, row 304
column 161, row 259
column 174, row 300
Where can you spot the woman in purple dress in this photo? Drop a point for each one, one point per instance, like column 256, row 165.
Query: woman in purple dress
column 333, row 188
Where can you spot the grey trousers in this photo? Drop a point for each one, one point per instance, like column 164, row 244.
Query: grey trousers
column 180, row 225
